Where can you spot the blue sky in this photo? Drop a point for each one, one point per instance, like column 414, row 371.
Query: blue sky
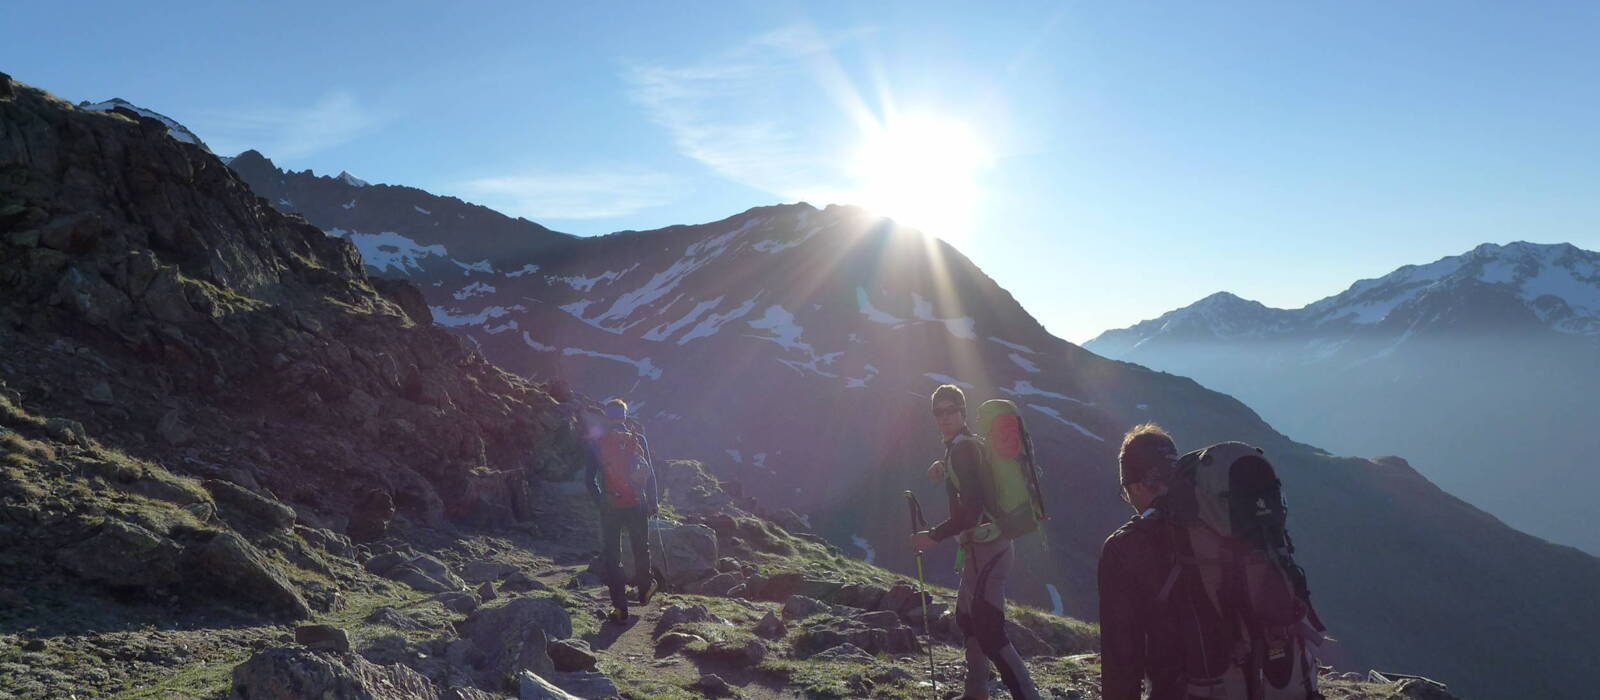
column 1139, row 156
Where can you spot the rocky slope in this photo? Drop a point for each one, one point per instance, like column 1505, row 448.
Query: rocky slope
column 1481, row 367
column 792, row 351
column 206, row 400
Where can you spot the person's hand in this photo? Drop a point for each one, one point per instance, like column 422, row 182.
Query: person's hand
column 922, row 541
column 936, row 471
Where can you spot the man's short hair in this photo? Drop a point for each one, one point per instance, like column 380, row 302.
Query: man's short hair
column 1146, row 455
column 616, row 409
column 951, row 393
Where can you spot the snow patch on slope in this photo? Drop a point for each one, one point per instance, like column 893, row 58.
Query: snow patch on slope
column 665, row 330
column 443, row 317
column 527, row 269
column 536, row 345
column 695, row 256
column 1026, row 388
column 1023, row 362
column 1053, row 413
column 859, row 541
column 584, row 284
column 472, row 290
column 872, row 313
column 715, row 322
column 645, row 366
column 387, row 250
column 1014, row 346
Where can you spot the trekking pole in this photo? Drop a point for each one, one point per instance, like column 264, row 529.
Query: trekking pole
column 918, row 524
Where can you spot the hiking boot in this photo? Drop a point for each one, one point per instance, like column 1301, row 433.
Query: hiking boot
column 618, row 615
column 648, row 590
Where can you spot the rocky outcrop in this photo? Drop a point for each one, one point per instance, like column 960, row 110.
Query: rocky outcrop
column 296, row 674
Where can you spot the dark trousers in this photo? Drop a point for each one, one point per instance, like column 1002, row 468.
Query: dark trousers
column 612, row 523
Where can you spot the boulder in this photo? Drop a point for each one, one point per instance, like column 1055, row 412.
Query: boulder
column 899, row 598
column 238, row 571
column 727, row 565
column 591, row 685
column 370, row 516
column 799, row 607
column 771, row 627
column 482, row 571
column 674, row 615
column 683, row 553
column 531, row 686
column 382, row 564
column 737, row 653
column 522, row 582
column 713, row 685
column 882, row 619
column 671, row 642
column 124, row 555
column 515, row 636
column 859, row 595
column 248, row 511
column 843, row 652
column 819, row 589
column 396, row 619
column 571, row 655
column 293, row 674
column 174, row 428
column 322, row 637
column 486, row 592
column 718, row 585
column 427, row 574
column 458, row 601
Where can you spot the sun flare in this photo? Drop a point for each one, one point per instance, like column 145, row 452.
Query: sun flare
column 922, row 171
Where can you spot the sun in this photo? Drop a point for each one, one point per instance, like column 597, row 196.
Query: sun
column 922, row 171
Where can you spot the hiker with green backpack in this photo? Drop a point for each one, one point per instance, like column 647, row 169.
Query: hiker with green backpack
column 1199, row 592
column 978, row 482
column 622, row 482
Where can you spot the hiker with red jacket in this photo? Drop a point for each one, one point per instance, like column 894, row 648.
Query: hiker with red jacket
column 622, row 483
column 985, row 563
column 1138, row 641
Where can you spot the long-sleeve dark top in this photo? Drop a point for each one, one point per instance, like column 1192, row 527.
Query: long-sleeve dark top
column 594, row 474
column 1138, row 638
column 965, row 458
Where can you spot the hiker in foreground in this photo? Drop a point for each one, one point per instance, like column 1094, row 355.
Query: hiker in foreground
column 985, row 556
column 1199, row 592
column 622, row 482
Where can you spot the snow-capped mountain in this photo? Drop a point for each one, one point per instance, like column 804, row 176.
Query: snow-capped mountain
column 174, row 129
column 793, row 349
column 400, row 231
column 1558, row 286
column 1480, row 367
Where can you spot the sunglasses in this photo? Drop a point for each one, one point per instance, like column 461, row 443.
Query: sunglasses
column 948, row 410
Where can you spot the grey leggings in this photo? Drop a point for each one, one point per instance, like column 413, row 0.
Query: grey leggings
column 981, row 612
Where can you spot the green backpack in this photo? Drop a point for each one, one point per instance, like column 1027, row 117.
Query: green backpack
column 1012, row 500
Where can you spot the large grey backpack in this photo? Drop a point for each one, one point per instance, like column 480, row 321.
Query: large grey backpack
column 1241, row 602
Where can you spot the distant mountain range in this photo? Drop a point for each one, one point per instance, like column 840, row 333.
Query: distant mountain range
column 1482, row 368
column 793, row 350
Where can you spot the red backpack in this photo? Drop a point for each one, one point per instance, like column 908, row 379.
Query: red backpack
column 624, row 469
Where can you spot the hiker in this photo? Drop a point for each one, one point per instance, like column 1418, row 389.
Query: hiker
column 1199, row 592
column 622, row 482
column 1138, row 642
column 984, row 561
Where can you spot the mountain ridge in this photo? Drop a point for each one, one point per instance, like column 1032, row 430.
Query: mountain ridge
column 837, row 326
column 1493, row 349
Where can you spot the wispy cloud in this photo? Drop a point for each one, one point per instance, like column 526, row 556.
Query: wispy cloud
column 288, row 132
column 738, row 111
column 591, row 194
